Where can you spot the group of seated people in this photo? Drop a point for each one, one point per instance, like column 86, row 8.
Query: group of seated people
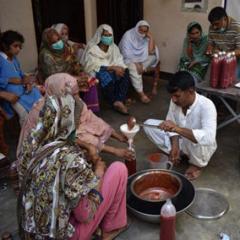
column 66, row 190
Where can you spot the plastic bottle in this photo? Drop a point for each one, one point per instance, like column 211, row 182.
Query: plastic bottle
column 215, row 71
column 131, row 164
column 168, row 221
column 225, row 73
column 234, row 68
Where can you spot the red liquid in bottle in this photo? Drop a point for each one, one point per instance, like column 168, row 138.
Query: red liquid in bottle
column 225, row 81
column 167, row 230
column 215, row 71
column 131, row 166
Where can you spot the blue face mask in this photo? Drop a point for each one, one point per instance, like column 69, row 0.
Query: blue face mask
column 59, row 45
column 107, row 40
column 221, row 30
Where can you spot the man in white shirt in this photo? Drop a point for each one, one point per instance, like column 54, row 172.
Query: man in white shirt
column 190, row 125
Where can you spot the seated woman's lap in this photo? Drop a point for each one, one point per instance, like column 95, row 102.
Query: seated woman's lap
column 113, row 189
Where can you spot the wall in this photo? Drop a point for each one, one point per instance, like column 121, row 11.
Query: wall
column 168, row 25
column 17, row 15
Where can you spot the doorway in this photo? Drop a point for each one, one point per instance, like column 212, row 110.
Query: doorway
column 71, row 12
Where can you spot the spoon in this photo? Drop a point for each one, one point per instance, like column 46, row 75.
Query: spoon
column 132, row 122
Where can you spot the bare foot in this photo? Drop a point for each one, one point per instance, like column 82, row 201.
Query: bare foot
column 193, row 172
column 154, row 89
column 144, row 98
column 111, row 235
column 120, row 107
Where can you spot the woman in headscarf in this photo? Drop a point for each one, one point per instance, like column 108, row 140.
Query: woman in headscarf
column 57, row 56
column 139, row 53
column 102, row 59
column 193, row 59
column 91, row 129
column 63, row 31
column 64, row 195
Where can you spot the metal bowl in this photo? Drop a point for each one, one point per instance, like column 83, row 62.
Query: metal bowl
column 156, row 186
column 151, row 212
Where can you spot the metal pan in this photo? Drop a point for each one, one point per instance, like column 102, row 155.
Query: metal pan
column 152, row 213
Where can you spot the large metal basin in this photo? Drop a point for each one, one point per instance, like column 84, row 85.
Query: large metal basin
column 151, row 212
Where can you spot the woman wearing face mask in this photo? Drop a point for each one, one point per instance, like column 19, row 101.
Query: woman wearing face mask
column 194, row 59
column 57, row 57
column 102, row 59
column 16, row 85
column 63, row 31
column 140, row 52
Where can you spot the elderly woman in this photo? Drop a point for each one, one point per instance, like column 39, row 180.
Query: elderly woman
column 193, row 57
column 12, row 80
column 102, row 59
column 63, row 31
column 63, row 194
column 140, row 52
column 56, row 56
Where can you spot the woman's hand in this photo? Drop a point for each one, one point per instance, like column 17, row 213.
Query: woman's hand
column 93, row 155
column 149, row 34
column 100, row 168
column 82, row 81
column 120, row 71
column 10, row 97
column 15, row 80
column 192, row 64
column 124, row 153
column 120, row 137
column 139, row 67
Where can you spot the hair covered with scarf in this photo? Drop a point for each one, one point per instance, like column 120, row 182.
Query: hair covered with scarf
column 49, row 172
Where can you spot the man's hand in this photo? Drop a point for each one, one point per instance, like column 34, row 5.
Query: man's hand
column 168, row 126
column 209, row 50
column 10, row 97
column 174, row 155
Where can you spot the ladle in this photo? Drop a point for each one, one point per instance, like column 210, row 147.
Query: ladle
column 132, row 122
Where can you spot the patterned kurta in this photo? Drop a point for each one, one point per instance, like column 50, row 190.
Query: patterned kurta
column 54, row 174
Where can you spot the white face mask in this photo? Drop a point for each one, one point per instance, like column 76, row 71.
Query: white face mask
column 142, row 35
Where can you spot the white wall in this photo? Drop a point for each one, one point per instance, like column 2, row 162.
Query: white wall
column 233, row 9
column 17, row 15
column 168, row 24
